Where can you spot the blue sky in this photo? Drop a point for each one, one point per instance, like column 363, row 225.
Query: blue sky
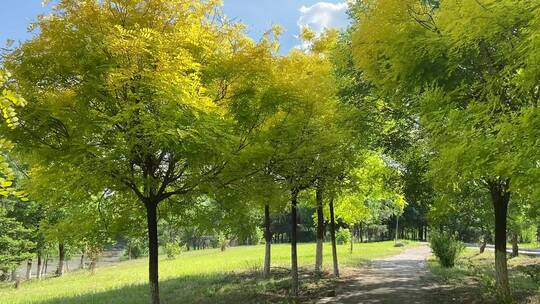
column 259, row 15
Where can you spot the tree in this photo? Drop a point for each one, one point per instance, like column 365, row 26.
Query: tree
column 15, row 243
column 371, row 194
column 466, row 69
column 349, row 135
column 465, row 213
column 303, row 132
column 30, row 215
column 138, row 93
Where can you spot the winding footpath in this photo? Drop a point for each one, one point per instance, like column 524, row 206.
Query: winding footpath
column 402, row 279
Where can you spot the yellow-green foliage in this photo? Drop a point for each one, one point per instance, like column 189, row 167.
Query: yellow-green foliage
column 368, row 182
column 9, row 101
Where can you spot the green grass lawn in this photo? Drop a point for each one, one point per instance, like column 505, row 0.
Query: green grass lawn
column 206, row 276
column 477, row 272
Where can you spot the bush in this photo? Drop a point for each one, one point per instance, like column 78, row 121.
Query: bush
column 446, row 248
column 223, row 241
column 136, row 248
column 172, row 250
column 343, row 236
column 259, row 236
column 528, row 235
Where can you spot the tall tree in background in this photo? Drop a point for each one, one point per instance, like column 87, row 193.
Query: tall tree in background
column 468, row 69
column 16, row 243
column 369, row 189
column 304, row 131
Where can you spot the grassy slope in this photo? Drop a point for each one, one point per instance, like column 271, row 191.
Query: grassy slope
column 208, row 276
column 477, row 271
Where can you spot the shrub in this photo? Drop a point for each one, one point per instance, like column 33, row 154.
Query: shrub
column 136, row 248
column 172, row 250
column 343, row 236
column 259, row 236
column 223, row 241
column 446, row 248
column 528, row 235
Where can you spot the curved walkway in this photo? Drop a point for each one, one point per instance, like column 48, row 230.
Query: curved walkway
column 401, row 279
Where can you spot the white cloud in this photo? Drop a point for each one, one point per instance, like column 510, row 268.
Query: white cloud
column 323, row 15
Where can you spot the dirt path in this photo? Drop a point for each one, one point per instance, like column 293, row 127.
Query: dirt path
column 401, row 279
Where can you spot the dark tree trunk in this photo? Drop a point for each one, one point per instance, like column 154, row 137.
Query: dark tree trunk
column 500, row 197
column 515, row 247
column 61, row 258
column 320, row 230
column 39, row 265
column 268, row 241
column 294, row 255
column 151, row 217
column 333, row 237
column 361, row 232
column 29, row 269
column 483, row 245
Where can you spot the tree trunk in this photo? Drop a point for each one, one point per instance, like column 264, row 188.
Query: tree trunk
column 483, row 246
column 333, row 237
column 81, row 264
column 361, row 232
column 151, row 217
column 294, row 256
column 93, row 263
column 352, row 239
column 320, row 230
column 39, row 265
column 500, row 197
column 268, row 241
column 397, row 229
column 515, row 247
column 29, row 269
column 61, row 258
column 46, row 265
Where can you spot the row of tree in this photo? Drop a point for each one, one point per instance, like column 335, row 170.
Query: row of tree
column 165, row 109
column 138, row 108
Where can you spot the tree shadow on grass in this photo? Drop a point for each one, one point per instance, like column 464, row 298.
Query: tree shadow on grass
column 246, row 287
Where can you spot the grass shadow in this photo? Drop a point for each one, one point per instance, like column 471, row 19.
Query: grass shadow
column 244, row 287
